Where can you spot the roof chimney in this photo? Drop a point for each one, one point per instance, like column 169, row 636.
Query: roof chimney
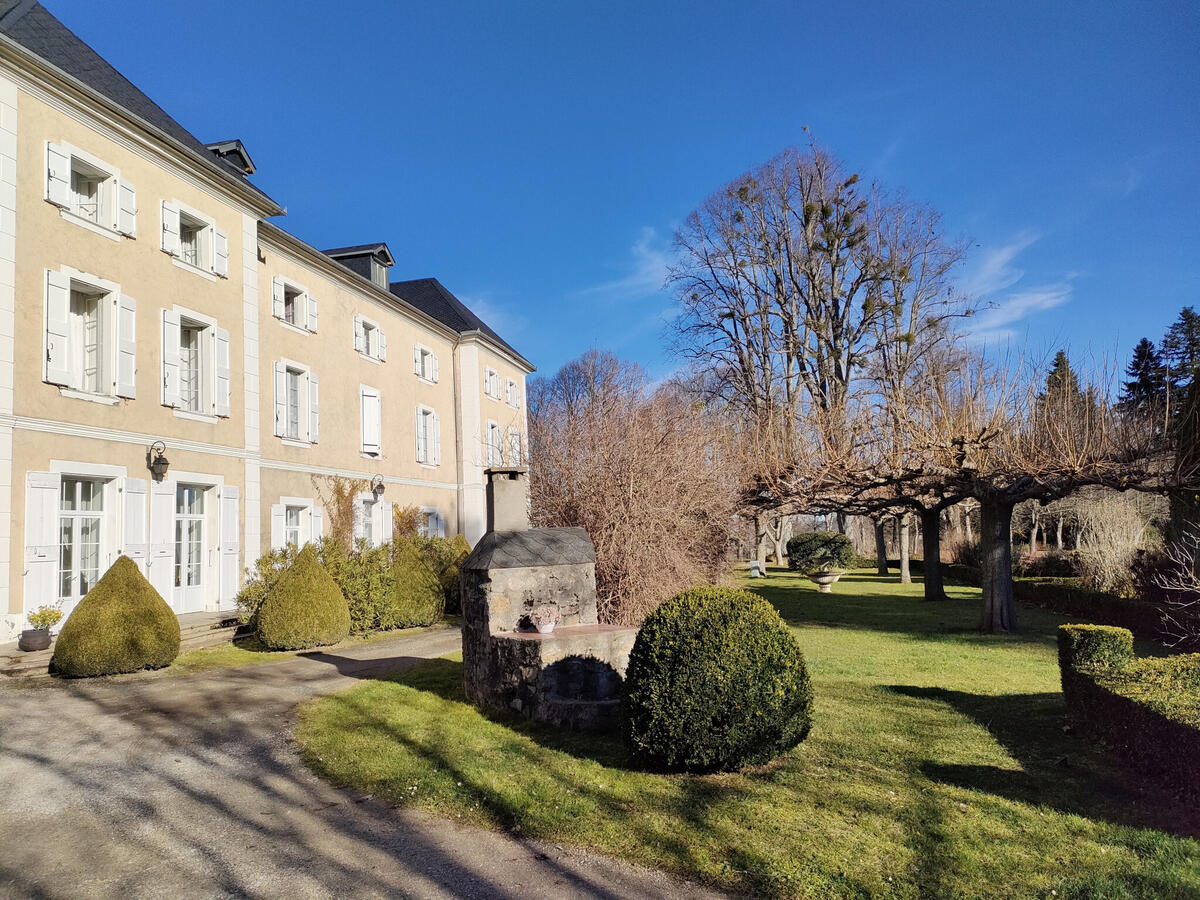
column 508, row 499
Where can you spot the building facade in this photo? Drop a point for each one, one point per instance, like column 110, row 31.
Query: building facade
column 179, row 376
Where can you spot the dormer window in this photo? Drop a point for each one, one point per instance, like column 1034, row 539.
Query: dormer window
column 371, row 261
column 379, row 273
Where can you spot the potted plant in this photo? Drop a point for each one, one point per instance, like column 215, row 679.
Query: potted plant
column 544, row 618
column 42, row 620
column 824, row 577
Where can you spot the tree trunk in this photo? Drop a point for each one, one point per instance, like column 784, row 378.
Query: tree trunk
column 905, row 575
column 1058, row 535
column 881, row 560
column 932, row 548
column 995, row 538
column 841, row 522
column 970, row 528
column 760, row 543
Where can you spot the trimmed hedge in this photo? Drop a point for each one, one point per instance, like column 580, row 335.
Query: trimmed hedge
column 950, row 571
column 1069, row 598
column 1147, row 710
column 416, row 596
column 305, row 608
column 818, row 549
column 122, row 625
column 716, row 681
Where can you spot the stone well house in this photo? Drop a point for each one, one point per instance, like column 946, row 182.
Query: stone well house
column 149, row 308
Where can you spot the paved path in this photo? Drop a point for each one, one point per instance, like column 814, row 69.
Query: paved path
column 191, row 786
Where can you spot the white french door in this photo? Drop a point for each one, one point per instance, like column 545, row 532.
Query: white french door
column 191, row 547
column 82, row 555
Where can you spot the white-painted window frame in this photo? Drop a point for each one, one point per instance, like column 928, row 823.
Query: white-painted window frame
column 425, row 364
column 118, row 218
column 305, row 306
column 308, row 404
column 212, row 252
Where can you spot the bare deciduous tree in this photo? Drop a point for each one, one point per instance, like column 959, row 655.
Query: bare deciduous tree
column 645, row 472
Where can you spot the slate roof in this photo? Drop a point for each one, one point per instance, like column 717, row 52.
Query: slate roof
column 429, row 296
column 534, row 547
column 33, row 27
column 360, row 249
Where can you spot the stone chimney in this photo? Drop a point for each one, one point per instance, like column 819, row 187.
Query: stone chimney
column 508, row 499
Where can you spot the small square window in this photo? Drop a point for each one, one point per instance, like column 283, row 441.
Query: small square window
column 91, row 191
column 293, row 299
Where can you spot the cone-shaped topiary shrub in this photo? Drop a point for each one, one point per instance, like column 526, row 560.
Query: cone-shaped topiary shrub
column 716, row 681
column 445, row 556
column 417, row 597
column 122, row 625
column 305, row 608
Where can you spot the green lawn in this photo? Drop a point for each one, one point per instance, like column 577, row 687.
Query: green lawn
column 937, row 767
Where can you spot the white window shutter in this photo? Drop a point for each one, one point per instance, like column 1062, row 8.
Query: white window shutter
column 385, row 521
column 58, row 175
column 382, row 344
column 162, row 538
column 230, row 544
column 127, row 209
column 170, row 228
column 127, row 348
column 434, row 361
column 170, row 358
column 277, row 514
column 422, row 445
column 220, row 253
column 277, row 297
column 280, row 402
column 314, row 419
column 58, row 328
column 221, row 394
column 371, row 420
column 133, row 531
column 41, row 539
column 360, row 335
column 312, row 313
column 318, row 524
column 416, row 359
column 435, row 439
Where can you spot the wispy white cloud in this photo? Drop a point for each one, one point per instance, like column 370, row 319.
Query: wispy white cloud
column 503, row 319
column 1001, row 310
column 649, row 263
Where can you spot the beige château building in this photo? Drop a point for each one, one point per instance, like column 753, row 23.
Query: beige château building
column 178, row 374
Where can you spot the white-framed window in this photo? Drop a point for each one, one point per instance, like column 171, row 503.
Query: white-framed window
column 491, row 383
column 194, row 240
column 494, row 445
column 372, row 519
column 189, row 535
column 81, row 519
column 90, row 191
column 196, row 377
column 90, row 335
column 293, row 304
column 295, row 521
column 425, row 363
column 297, row 414
column 514, row 447
column 371, row 420
column 429, row 437
column 431, row 523
column 512, row 393
column 369, row 339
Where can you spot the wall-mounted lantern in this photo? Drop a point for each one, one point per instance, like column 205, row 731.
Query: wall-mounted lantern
column 377, row 485
column 156, row 460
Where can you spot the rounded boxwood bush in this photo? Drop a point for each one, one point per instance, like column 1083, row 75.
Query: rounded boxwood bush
column 819, row 549
column 716, row 681
column 305, row 608
column 121, row 625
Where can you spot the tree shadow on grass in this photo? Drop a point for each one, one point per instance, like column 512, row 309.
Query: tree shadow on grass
column 1061, row 770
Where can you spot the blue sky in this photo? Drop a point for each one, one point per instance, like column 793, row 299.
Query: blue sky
column 537, row 157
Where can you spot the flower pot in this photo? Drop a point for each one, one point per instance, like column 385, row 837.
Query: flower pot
column 34, row 639
column 824, row 580
column 545, row 628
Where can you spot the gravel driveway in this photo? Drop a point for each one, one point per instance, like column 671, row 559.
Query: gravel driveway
column 191, row 786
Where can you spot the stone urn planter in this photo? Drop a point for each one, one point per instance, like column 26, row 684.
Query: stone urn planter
column 544, row 618
column 824, row 580
column 32, row 639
